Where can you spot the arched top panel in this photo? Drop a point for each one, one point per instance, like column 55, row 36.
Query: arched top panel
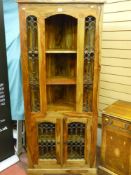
column 60, row 14
column 61, row 32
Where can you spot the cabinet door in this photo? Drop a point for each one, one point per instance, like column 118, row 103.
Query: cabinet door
column 77, row 138
column 49, row 142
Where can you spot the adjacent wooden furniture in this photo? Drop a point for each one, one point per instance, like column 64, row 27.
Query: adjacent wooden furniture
column 60, row 65
column 116, row 139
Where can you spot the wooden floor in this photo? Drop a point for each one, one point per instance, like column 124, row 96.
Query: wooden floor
column 20, row 168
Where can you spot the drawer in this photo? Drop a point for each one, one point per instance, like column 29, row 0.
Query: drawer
column 110, row 121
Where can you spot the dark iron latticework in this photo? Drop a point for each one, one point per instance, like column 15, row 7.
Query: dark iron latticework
column 46, row 139
column 89, row 55
column 32, row 40
column 76, row 140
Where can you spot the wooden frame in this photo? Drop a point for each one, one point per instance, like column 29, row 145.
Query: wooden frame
column 76, row 11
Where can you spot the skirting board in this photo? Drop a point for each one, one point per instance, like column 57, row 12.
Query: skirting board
column 105, row 171
column 8, row 162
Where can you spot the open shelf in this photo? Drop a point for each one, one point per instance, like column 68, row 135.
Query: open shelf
column 61, row 67
column 60, row 81
column 61, row 97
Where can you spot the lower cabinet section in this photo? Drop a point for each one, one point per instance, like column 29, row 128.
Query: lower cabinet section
column 64, row 142
column 116, row 146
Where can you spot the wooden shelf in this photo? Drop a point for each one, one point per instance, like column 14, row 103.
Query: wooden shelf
column 60, row 51
column 60, row 107
column 61, row 81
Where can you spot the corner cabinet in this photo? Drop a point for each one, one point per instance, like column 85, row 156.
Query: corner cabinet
column 60, row 66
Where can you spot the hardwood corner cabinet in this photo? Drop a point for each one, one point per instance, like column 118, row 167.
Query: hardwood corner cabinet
column 60, row 65
column 116, row 139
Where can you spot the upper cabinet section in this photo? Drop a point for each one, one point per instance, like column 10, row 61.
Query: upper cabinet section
column 60, row 54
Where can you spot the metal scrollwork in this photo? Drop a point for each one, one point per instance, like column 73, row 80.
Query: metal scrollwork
column 89, row 55
column 32, row 31
column 47, row 150
column 47, row 143
column 33, row 62
column 76, row 140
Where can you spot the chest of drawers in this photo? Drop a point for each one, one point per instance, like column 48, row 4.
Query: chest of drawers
column 116, row 139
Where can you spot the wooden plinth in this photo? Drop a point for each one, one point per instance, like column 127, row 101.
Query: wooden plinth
column 88, row 171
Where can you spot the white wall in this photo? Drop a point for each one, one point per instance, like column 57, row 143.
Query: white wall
column 115, row 76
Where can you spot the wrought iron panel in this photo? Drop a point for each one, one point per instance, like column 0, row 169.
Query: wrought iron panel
column 89, row 55
column 47, row 140
column 76, row 140
column 33, row 62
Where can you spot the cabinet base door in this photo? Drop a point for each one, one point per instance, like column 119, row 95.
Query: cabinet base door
column 77, row 141
column 49, row 142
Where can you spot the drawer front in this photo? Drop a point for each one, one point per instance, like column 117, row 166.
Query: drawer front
column 110, row 121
